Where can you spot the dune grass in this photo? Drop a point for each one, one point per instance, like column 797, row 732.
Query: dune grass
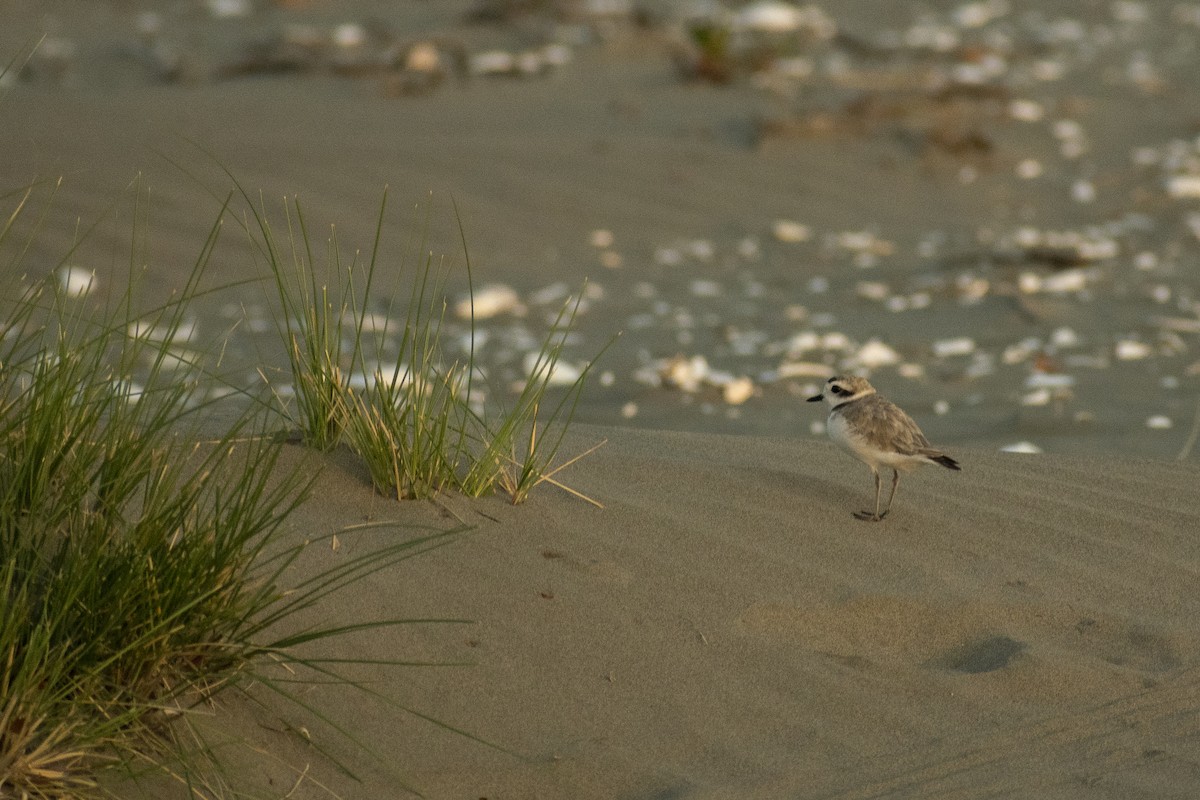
column 415, row 418
column 141, row 558
column 125, row 546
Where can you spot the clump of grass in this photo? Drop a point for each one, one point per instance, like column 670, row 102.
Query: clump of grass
column 317, row 329
column 408, row 421
column 519, row 448
column 125, row 548
column 414, row 420
column 141, row 568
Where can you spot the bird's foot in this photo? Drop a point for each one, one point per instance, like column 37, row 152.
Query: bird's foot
column 870, row 516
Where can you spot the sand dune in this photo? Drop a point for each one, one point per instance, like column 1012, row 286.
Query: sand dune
column 725, row 628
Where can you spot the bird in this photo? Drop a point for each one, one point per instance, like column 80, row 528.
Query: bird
column 877, row 432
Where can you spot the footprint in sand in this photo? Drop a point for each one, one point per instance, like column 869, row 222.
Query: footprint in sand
column 879, row 628
column 983, row 655
column 1133, row 646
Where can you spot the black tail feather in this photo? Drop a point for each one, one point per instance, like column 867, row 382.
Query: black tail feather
column 946, row 461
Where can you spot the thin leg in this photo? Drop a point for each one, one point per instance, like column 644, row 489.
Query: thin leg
column 895, row 481
column 867, row 515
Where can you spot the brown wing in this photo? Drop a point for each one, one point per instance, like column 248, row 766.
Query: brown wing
column 889, row 428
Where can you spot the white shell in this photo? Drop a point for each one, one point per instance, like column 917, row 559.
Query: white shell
column 738, row 391
column 1021, row 447
column 76, row 281
column 1132, row 350
column 875, row 354
column 786, row 230
column 1183, row 186
column 769, row 16
column 957, row 346
column 490, row 301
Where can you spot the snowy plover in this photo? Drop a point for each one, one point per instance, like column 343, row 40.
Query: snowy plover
column 877, row 432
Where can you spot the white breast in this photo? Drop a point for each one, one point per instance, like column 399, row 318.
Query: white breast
column 843, row 433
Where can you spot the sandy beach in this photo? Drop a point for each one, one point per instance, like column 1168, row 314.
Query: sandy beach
column 724, row 628
column 987, row 207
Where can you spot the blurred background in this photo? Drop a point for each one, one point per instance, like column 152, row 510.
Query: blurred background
column 990, row 208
